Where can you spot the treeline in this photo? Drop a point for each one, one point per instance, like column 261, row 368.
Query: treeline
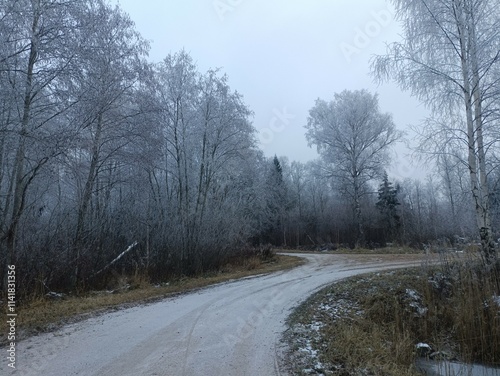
column 110, row 163
column 315, row 214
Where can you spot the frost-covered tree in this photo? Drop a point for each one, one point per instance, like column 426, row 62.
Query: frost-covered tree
column 110, row 64
column 353, row 137
column 106, row 158
column 197, row 180
column 39, row 51
column 449, row 59
column 273, row 202
column 297, row 192
column 455, row 186
column 277, row 201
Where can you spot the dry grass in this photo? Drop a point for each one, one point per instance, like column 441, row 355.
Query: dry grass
column 384, row 250
column 372, row 323
column 360, row 333
column 41, row 314
column 362, row 251
column 471, row 309
column 366, row 348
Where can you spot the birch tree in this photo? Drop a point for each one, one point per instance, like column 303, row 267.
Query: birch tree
column 207, row 142
column 450, row 59
column 353, row 137
column 38, row 52
column 110, row 63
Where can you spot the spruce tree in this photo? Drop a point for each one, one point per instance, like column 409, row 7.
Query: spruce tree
column 387, row 205
column 275, row 205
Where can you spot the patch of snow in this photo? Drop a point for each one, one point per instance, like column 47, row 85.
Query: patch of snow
column 412, row 294
column 421, row 311
column 55, row 295
column 423, row 350
column 495, row 299
column 422, row 345
column 325, row 307
column 416, row 302
column 308, row 348
column 316, row 326
column 313, row 355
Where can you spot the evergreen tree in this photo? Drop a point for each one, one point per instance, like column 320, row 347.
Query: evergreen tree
column 387, row 205
column 275, row 203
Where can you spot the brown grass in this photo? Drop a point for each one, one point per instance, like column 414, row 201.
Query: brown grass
column 41, row 314
column 375, row 327
column 362, row 251
column 359, row 346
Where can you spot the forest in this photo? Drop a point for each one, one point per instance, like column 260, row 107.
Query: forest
column 111, row 162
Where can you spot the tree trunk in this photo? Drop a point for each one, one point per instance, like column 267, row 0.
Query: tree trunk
column 360, row 235
column 484, row 222
column 18, row 177
column 86, row 197
column 477, row 162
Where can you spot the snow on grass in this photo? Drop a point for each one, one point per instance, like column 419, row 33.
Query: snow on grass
column 496, row 300
column 312, row 354
column 415, row 302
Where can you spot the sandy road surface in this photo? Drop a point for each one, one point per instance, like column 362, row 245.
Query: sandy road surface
column 228, row 329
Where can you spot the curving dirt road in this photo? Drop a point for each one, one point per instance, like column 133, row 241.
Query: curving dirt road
column 228, row 329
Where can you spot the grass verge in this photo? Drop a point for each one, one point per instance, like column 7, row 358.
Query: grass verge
column 371, row 324
column 42, row 314
column 403, row 250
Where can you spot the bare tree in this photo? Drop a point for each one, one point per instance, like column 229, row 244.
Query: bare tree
column 450, row 59
column 38, row 52
column 207, row 142
column 100, row 151
column 354, row 138
column 456, row 188
column 110, row 64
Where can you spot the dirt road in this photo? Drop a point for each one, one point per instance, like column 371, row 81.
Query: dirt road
column 228, row 329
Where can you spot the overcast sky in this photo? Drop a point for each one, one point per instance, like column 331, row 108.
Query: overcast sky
column 282, row 55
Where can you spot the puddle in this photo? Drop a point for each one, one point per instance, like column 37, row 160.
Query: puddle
column 447, row 368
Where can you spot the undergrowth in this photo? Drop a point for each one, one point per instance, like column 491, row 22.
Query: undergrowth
column 44, row 313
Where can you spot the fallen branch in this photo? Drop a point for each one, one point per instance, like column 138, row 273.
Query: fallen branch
column 311, row 239
column 129, row 248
